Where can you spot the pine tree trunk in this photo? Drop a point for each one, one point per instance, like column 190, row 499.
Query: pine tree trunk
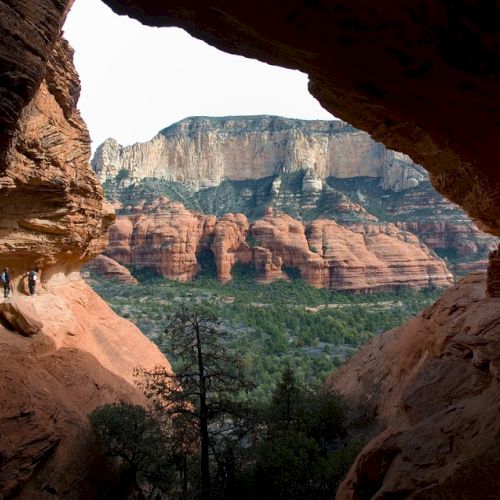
column 205, row 465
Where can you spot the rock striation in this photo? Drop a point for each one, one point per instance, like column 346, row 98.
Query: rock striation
column 111, row 270
column 202, row 152
column 52, row 209
column 433, row 386
column 173, row 241
column 459, row 238
column 229, row 244
column 63, row 352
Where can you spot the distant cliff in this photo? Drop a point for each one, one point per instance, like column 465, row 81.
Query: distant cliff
column 169, row 239
column 309, row 170
column 202, row 152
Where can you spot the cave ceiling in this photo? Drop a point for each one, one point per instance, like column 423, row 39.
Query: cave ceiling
column 421, row 77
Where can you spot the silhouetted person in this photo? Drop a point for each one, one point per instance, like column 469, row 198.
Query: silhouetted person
column 32, row 279
column 6, row 283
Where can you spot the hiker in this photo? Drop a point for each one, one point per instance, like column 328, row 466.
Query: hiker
column 32, row 279
column 7, row 284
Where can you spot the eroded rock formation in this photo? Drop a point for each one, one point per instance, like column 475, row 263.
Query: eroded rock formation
column 430, row 93
column 52, row 209
column 433, row 385
column 308, row 169
column 202, row 152
column 63, row 352
column 422, row 79
column 229, row 244
column 111, row 270
column 173, row 241
column 80, row 355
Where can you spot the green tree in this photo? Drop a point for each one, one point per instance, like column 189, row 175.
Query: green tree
column 131, row 435
column 305, row 448
column 202, row 399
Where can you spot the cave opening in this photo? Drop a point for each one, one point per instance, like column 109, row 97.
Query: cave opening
column 137, row 80
column 431, row 384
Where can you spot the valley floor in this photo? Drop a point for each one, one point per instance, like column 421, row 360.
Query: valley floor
column 271, row 326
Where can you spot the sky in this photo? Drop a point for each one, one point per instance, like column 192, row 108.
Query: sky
column 137, row 80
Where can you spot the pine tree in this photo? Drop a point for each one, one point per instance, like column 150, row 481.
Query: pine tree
column 201, row 399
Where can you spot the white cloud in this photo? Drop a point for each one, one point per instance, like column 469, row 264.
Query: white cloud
column 137, row 80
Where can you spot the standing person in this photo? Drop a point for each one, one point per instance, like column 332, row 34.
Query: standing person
column 32, row 279
column 6, row 283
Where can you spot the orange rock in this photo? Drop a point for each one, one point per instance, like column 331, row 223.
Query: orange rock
column 110, row 269
column 52, row 209
column 433, row 385
column 120, row 239
column 83, row 356
column 64, row 351
column 362, row 257
column 167, row 237
column 229, row 244
column 268, row 266
column 20, row 315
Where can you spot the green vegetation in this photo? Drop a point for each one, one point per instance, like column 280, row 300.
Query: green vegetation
column 134, row 441
column 204, row 438
column 202, row 399
column 270, row 326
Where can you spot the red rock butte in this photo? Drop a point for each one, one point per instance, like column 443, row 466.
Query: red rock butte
column 167, row 238
column 421, row 78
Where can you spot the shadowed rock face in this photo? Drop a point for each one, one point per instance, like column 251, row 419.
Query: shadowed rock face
column 28, row 31
column 422, row 79
column 433, row 384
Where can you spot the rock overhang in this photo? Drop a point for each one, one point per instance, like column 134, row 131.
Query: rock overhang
column 422, row 78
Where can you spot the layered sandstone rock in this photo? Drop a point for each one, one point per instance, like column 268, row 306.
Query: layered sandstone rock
column 168, row 238
column 120, row 239
column 433, row 385
column 469, row 267
column 25, row 50
column 358, row 258
column 111, row 270
column 64, row 351
column 52, row 209
column 202, row 152
column 163, row 236
column 229, row 244
column 82, row 356
column 458, row 238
